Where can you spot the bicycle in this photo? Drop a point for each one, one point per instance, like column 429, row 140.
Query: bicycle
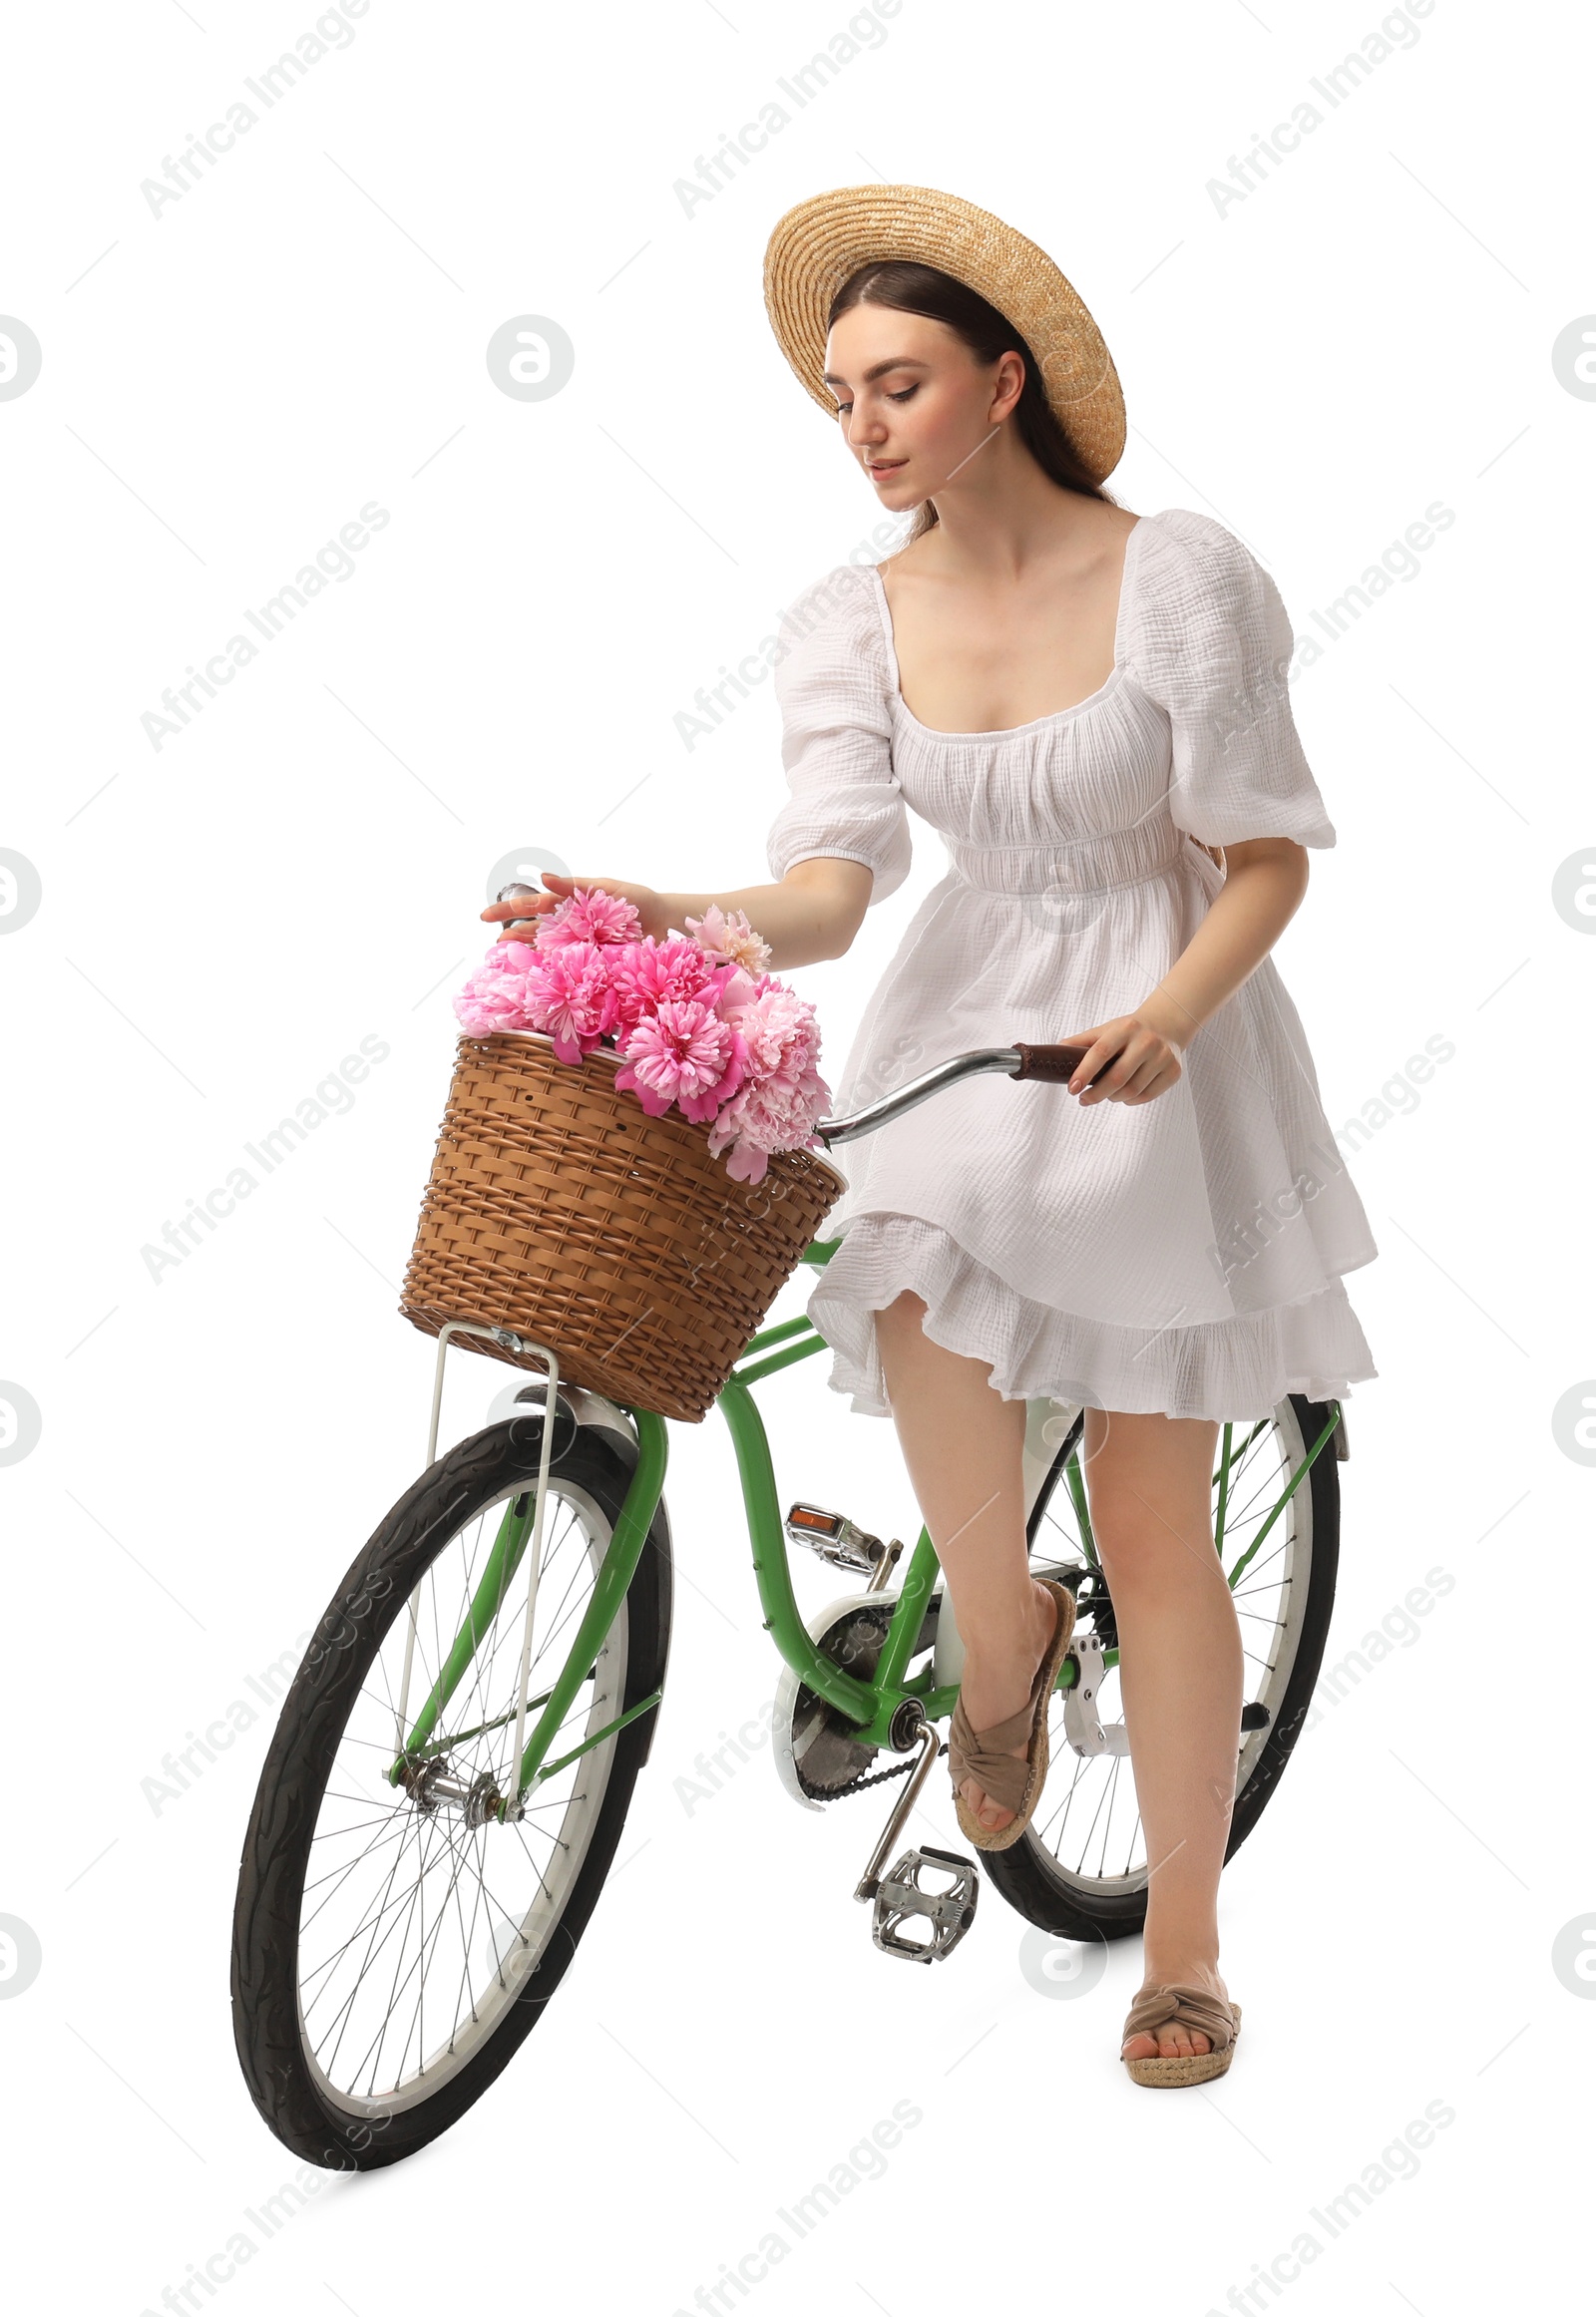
column 452, row 1769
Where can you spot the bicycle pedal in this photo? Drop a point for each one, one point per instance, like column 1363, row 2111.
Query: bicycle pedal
column 901, row 1898
column 841, row 1542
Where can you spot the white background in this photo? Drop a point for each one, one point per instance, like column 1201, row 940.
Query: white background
column 226, row 916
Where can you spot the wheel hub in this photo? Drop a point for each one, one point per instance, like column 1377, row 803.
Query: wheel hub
column 432, row 1786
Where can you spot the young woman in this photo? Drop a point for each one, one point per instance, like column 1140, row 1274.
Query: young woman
column 1090, row 706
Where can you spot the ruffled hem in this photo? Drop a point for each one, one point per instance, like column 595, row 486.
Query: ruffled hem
column 1229, row 1371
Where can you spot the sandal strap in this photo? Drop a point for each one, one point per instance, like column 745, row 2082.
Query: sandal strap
column 984, row 1753
column 1182, row 2006
column 981, row 1754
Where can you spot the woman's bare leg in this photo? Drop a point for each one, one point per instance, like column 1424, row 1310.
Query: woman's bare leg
column 1148, row 1480
column 961, row 1444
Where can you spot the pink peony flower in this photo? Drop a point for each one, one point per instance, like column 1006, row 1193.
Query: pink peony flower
column 730, row 937
column 494, row 998
column 648, row 973
column 781, row 1030
column 686, row 1054
column 736, row 989
column 507, row 957
column 569, row 998
column 589, row 914
column 483, row 1014
column 763, row 1118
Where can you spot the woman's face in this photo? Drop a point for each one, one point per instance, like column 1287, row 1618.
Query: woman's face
column 914, row 404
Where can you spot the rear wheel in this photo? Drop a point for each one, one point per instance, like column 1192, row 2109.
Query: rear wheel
column 393, row 1945
column 1080, row 1867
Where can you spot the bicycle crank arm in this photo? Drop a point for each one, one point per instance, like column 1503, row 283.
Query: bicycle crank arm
column 930, row 1748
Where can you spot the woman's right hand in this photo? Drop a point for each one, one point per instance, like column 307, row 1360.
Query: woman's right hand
column 649, row 904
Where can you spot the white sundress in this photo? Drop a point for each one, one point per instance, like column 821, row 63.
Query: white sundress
column 1182, row 1255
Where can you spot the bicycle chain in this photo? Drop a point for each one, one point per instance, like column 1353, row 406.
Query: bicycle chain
column 876, row 1778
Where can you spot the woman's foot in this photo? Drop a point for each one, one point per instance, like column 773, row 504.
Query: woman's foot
column 996, row 1682
column 1173, row 2042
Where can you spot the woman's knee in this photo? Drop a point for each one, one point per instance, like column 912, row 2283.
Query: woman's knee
column 1122, row 1523
column 1136, row 1529
column 1132, row 1555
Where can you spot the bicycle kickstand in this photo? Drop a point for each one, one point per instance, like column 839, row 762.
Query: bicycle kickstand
column 901, row 1895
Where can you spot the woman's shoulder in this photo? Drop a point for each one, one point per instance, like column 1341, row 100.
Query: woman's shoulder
column 839, row 600
column 1197, row 554
column 833, row 627
column 1201, row 596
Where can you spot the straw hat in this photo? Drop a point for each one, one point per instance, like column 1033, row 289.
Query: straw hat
column 821, row 241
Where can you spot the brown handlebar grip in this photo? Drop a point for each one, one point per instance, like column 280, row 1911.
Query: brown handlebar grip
column 1055, row 1064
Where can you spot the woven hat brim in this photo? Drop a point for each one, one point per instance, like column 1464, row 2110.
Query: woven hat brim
column 819, row 242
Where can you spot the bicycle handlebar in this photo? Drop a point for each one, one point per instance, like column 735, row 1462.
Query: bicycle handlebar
column 1053, row 1065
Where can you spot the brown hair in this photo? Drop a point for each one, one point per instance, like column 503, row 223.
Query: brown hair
column 912, row 288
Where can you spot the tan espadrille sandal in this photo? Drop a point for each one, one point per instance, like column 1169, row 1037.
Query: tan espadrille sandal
column 982, row 1754
column 1194, row 2008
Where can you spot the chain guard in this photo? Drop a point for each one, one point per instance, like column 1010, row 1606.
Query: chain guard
column 818, row 1757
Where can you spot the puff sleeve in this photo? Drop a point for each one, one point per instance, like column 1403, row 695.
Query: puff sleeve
column 1211, row 644
column 829, row 674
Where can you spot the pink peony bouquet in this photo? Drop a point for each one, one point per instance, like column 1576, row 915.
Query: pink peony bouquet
column 695, row 1019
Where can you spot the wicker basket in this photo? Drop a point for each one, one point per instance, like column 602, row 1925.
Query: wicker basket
column 558, row 1208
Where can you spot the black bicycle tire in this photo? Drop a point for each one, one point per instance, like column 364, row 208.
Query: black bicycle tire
column 1019, row 1872
column 272, row 1867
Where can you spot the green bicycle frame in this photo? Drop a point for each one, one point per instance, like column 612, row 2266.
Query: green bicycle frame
column 871, row 1706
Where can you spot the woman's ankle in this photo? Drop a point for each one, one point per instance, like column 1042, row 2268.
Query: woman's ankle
column 1183, row 1950
column 1170, row 1967
column 995, row 1640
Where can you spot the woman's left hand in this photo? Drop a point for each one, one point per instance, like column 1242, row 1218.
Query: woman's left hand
column 1148, row 1060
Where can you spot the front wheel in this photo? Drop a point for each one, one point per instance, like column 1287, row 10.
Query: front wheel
column 392, row 1944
